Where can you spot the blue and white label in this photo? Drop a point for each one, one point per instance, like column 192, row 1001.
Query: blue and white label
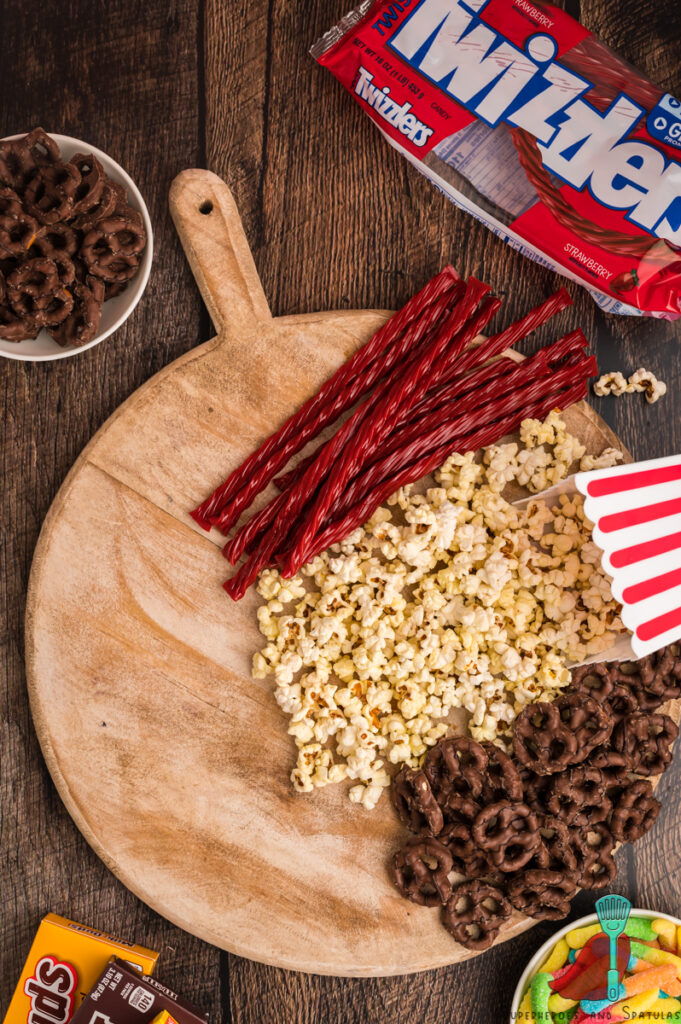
column 664, row 121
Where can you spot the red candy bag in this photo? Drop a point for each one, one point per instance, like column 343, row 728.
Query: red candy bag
column 527, row 121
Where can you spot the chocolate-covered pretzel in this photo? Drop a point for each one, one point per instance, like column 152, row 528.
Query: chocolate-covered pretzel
column 15, row 164
column 534, row 789
column 640, row 699
column 92, row 178
column 112, row 289
column 468, row 859
column 31, row 286
column 49, row 196
column 20, row 158
column 110, row 266
column 479, row 865
column 614, row 769
column 17, row 234
column 10, row 204
column 66, row 269
column 590, row 722
column 415, row 804
column 508, row 833
column 456, row 764
column 459, row 807
column 556, row 842
column 646, row 741
column 634, row 812
column 542, row 894
column 53, row 240
column 8, row 263
column 41, row 147
column 474, row 914
column 14, row 328
column 116, row 235
column 593, row 846
column 82, row 324
column 457, row 838
column 578, row 796
column 622, row 702
column 654, row 679
column 420, row 871
column 596, row 681
column 58, row 309
column 103, row 207
column 539, row 859
column 537, row 825
column 502, row 779
column 39, row 290
column 542, row 742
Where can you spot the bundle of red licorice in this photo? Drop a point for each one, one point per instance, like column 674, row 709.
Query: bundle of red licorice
column 421, row 391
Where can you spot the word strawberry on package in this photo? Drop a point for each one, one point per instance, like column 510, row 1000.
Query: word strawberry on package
column 527, row 121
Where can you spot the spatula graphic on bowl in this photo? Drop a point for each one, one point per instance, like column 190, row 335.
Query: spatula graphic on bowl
column 636, row 512
column 613, row 913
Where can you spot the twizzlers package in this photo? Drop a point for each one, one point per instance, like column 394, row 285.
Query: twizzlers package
column 527, row 121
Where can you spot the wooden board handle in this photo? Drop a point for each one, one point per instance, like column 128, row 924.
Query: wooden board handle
column 211, row 232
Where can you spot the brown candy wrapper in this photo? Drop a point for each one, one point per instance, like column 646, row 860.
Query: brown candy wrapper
column 122, row 996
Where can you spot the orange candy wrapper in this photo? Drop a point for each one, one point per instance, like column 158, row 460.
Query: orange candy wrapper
column 65, row 961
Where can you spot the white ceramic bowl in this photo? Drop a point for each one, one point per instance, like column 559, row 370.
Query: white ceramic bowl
column 543, row 952
column 115, row 311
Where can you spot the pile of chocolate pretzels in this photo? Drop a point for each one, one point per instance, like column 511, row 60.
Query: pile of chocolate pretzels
column 69, row 240
column 527, row 829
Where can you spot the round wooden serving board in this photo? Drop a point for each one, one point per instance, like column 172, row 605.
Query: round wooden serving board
column 173, row 762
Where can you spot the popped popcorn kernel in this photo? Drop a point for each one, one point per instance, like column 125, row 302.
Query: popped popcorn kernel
column 644, row 380
column 641, row 380
column 609, row 457
column 610, row 384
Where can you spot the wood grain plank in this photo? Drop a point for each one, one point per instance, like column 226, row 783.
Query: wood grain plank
column 367, row 231
column 336, row 218
column 124, row 76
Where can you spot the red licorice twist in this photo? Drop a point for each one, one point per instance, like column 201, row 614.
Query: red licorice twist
column 324, row 407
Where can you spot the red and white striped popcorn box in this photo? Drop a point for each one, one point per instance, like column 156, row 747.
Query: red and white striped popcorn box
column 636, row 512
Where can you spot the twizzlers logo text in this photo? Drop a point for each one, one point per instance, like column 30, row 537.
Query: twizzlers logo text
column 52, row 991
column 396, row 114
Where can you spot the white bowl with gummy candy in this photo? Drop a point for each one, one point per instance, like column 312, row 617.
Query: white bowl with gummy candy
column 543, row 953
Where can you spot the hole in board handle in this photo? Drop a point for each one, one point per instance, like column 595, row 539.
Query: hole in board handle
column 206, row 207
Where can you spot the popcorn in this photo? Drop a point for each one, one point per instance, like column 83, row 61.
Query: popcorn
column 611, row 384
column 568, row 450
column 449, row 599
column 644, row 380
column 502, row 465
column 609, row 457
column 641, row 380
column 536, row 432
column 533, row 463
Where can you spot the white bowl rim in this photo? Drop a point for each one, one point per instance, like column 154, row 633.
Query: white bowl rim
column 546, row 948
column 140, row 280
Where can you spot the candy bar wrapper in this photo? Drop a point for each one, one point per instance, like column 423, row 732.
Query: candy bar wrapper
column 531, row 124
column 121, row 996
column 64, row 962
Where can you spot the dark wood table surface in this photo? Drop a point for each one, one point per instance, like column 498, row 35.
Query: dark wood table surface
column 335, row 218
